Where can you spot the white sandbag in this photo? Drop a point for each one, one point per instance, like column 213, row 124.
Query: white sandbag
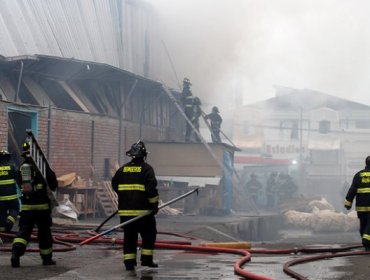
column 328, row 221
column 322, row 220
column 298, row 219
column 351, row 222
column 321, row 204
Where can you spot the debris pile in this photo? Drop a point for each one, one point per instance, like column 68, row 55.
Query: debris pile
column 168, row 211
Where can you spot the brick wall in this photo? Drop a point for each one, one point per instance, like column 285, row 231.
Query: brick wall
column 71, row 141
column 83, row 143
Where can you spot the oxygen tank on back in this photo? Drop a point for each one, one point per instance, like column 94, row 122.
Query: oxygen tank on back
column 26, row 174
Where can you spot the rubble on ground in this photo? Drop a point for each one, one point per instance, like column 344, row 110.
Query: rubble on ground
column 168, row 211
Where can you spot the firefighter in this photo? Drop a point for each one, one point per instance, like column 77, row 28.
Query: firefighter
column 216, row 121
column 254, row 188
column 9, row 203
column 360, row 188
column 35, row 210
column 136, row 186
column 271, row 191
column 187, row 102
column 197, row 112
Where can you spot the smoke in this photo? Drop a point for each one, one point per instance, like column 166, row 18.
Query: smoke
column 237, row 50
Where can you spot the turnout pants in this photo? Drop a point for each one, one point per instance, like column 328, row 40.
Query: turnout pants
column 42, row 219
column 146, row 227
column 364, row 218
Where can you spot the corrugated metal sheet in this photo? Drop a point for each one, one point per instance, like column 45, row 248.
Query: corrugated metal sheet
column 105, row 31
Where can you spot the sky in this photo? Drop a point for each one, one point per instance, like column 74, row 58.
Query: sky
column 232, row 49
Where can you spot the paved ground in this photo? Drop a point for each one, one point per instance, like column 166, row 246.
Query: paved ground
column 105, row 261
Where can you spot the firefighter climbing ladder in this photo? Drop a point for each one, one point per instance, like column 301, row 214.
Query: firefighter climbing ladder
column 173, row 99
column 40, row 161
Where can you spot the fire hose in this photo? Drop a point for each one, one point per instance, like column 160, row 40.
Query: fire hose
column 137, row 218
column 66, row 240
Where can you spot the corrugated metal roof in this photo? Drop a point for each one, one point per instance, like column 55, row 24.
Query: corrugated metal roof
column 104, row 31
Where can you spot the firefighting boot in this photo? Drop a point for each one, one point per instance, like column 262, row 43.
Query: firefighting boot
column 147, row 260
column 47, row 260
column 149, row 264
column 130, row 265
column 15, row 260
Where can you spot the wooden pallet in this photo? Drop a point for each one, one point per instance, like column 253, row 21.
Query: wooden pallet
column 107, row 198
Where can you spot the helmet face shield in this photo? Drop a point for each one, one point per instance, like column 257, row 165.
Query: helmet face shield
column 137, row 150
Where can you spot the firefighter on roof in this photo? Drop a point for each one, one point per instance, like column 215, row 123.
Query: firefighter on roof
column 187, row 103
column 136, row 186
column 197, row 112
column 216, row 121
column 35, row 210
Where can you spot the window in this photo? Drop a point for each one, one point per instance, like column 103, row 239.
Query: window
column 362, row 123
column 324, row 127
column 247, row 128
column 294, row 131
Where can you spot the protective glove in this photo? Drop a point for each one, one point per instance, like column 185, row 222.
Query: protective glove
column 347, row 207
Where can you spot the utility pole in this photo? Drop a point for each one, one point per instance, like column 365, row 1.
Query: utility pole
column 300, row 136
column 300, row 166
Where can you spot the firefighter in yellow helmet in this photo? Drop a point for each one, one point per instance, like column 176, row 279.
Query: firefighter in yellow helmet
column 35, row 210
column 136, row 186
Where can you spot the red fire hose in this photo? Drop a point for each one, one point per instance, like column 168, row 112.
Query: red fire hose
column 66, row 239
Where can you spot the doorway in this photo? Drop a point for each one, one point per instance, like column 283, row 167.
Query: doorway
column 18, row 122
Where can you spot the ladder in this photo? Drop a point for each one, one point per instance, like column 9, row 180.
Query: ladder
column 107, row 197
column 40, row 162
column 253, row 205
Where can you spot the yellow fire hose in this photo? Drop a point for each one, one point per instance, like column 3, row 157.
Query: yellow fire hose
column 234, row 245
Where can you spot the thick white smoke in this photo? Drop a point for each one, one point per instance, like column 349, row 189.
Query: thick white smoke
column 244, row 47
